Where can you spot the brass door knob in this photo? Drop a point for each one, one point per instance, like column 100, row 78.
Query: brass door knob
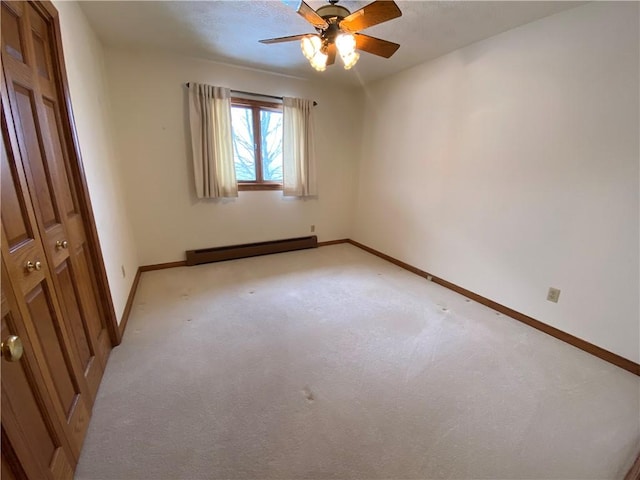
column 11, row 348
column 60, row 244
column 31, row 266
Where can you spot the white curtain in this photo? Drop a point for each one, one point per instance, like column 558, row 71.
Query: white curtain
column 298, row 155
column 211, row 138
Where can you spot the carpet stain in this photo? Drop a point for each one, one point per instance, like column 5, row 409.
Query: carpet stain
column 308, row 394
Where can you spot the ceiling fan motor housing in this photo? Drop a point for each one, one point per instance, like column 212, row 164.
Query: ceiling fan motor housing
column 332, row 14
column 332, row 11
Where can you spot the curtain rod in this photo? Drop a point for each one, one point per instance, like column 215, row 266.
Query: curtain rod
column 257, row 94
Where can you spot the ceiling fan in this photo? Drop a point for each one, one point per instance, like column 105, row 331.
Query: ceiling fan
column 337, row 31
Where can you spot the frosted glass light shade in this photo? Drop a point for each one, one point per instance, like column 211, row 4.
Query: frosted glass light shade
column 319, row 61
column 346, row 44
column 312, row 49
column 350, row 60
column 310, row 45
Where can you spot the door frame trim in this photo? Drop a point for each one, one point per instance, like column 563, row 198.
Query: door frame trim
column 46, row 8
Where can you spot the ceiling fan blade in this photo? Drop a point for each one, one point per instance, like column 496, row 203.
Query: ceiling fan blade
column 291, row 38
column 374, row 45
column 370, row 15
column 308, row 13
column 331, row 54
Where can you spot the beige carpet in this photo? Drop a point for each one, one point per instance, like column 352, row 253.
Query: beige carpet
column 332, row 363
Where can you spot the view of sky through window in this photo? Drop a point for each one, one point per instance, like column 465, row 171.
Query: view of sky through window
column 244, row 147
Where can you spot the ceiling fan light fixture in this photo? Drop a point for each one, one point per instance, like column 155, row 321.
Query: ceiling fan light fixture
column 319, row 61
column 350, row 60
column 310, row 46
column 346, row 44
column 338, row 32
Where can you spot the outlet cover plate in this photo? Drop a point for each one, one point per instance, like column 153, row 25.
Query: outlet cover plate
column 553, row 295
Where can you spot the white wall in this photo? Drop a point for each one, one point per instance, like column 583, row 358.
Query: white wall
column 511, row 165
column 149, row 96
column 84, row 60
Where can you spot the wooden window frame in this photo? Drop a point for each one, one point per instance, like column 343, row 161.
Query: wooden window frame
column 256, row 106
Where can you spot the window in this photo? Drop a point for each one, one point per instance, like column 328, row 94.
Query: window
column 257, row 144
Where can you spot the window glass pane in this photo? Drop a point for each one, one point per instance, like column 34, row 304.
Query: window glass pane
column 271, row 136
column 243, row 152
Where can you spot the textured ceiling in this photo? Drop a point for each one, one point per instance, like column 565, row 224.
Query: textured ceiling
column 228, row 31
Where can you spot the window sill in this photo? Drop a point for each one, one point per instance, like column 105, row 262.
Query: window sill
column 249, row 187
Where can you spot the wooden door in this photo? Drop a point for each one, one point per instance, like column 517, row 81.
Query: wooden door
column 33, row 96
column 54, row 290
column 36, row 302
column 34, row 443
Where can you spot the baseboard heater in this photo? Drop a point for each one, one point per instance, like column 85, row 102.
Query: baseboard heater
column 218, row 254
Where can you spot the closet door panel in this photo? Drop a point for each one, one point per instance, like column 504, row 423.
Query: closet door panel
column 34, row 441
column 12, row 31
column 20, row 399
column 71, row 244
column 12, row 199
column 58, row 306
column 34, row 155
column 94, row 316
column 29, row 270
column 68, row 287
column 56, row 207
column 41, row 310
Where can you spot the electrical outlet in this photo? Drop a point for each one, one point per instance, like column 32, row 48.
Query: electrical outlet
column 123, row 272
column 553, row 295
column 313, row 228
